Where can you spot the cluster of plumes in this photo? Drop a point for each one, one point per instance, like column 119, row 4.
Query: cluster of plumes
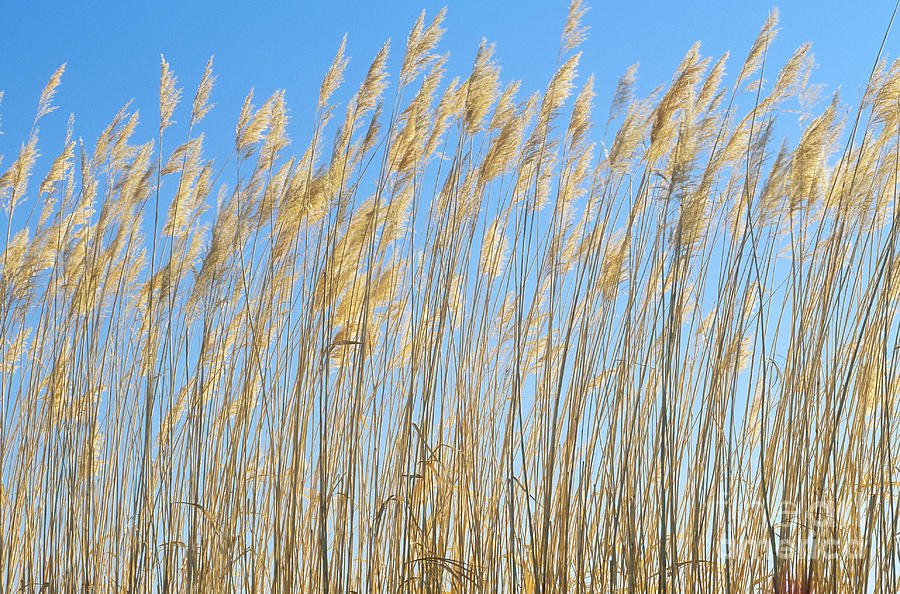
column 462, row 341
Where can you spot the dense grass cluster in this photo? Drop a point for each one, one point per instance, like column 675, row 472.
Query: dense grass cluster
column 464, row 340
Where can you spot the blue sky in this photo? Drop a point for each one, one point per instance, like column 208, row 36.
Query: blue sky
column 112, row 50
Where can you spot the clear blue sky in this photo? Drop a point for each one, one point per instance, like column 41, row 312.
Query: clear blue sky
column 112, row 50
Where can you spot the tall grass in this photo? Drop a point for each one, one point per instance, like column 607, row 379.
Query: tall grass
column 464, row 340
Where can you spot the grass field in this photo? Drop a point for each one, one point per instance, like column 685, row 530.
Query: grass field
column 464, row 339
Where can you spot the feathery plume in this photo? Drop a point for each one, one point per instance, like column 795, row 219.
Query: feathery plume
column 709, row 92
column 759, row 47
column 59, row 169
column 201, row 103
column 624, row 93
column 580, row 123
column 375, row 82
column 482, row 88
column 494, row 249
column 334, row 76
column 505, row 106
column 419, row 45
column 45, row 104
column 169, row 96
column 573, row 33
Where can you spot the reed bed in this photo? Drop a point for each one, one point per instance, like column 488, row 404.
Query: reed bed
column 465, row 340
